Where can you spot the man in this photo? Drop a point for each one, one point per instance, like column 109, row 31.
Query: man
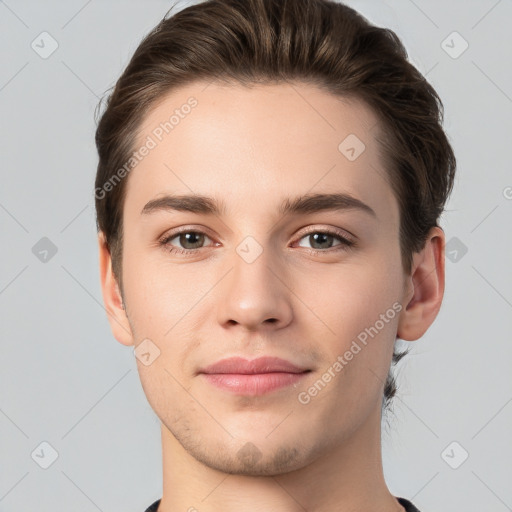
column 270, row 180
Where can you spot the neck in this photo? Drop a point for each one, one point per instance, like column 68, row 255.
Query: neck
column 346, row 477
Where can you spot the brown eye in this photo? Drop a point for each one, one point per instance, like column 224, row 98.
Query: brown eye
column 184, row 242
column 191, row 239
column 320, row 241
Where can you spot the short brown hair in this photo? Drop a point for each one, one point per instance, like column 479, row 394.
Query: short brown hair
column 321, row 42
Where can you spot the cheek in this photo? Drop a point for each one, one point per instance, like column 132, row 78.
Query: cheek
column 160, row 293
column 168, row 302
column 349, row 298
column 360, row 307
column 330, row 301
column 161, row 384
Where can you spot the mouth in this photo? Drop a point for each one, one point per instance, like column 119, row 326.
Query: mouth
column 257, row 377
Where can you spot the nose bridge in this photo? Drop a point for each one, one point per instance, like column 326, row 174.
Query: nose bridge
column 253, row 293
column 252, row 275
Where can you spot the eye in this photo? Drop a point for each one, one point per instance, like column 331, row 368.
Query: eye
column 190, row 240
column 322, row 240
column 193, row 240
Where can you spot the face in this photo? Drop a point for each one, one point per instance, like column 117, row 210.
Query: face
column 270, row 273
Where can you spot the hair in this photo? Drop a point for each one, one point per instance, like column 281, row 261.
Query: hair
column 320, row 42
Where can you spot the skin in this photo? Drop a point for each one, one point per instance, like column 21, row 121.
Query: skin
column 252, row 148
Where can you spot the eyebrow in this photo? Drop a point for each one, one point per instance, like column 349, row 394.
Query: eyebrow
column 309, row 203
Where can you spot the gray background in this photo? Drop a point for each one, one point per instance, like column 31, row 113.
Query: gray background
column 66, row 381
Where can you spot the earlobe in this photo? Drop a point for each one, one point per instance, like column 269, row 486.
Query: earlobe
column 112, row 298
column 425, row 289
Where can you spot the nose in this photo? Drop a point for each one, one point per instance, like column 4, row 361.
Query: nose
column 255, row 294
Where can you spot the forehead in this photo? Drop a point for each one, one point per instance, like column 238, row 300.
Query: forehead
column 258, row 145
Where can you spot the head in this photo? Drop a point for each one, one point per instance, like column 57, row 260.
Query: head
column 265, row 96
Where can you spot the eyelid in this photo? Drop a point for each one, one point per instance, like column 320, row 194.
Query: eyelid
column 308, row 230
column 172, row 233
column 346, row 239
column 343, row 233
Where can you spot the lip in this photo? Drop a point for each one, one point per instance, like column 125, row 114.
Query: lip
column 256, row 377
column 240, row 365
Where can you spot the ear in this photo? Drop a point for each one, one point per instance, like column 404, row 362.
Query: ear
column 424, row 288
column 112, row 298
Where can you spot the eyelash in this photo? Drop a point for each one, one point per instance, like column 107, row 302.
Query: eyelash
column 345, row 243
